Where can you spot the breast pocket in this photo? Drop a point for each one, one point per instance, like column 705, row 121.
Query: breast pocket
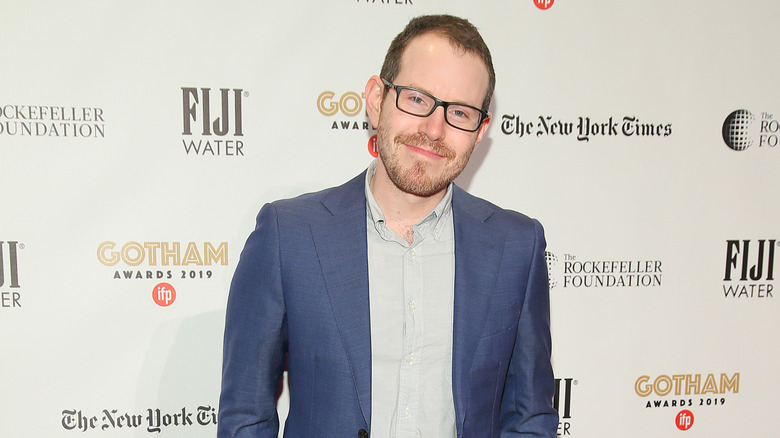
column 503, row 313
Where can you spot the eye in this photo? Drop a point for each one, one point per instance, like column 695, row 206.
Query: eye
column 461, row 113
column 417, row 99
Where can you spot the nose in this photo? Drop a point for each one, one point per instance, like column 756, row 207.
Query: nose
column 434, row 125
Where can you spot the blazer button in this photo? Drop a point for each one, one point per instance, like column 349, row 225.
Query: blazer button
column 362, row 433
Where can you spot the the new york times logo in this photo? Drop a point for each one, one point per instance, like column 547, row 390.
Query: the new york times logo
column 52, row 121
column 574, row 272
column 562, row 404
column 345, row 110
column 152, row 420
column 741, row 130
column 10, row 297
column 750, row 268
column 584, row 128
column 218, row 121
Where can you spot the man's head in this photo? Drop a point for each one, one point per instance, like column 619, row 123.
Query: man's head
column 444, row 60
column 458, row 31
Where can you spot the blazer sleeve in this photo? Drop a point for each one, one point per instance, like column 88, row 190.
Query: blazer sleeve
column 526, row 407
column 255, row 337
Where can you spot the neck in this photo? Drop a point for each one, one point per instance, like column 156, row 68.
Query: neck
column 401, row 209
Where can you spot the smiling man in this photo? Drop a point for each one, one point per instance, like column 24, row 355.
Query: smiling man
column 406, row 307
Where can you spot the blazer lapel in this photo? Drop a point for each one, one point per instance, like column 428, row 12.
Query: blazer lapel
column 340, row 241
column 478, row 251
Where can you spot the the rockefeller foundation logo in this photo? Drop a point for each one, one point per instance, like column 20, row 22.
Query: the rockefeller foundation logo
column 52, row 121
column 575, row 272
column 742, row 129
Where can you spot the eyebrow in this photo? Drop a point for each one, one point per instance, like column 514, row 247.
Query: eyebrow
column 458, row 102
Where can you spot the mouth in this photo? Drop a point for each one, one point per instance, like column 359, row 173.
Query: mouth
column 424, row 152
column 420, row 146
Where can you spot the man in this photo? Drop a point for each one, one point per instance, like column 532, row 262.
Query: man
column 406, row 307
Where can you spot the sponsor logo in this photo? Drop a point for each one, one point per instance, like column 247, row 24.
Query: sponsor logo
column 544, row 4
column 52, row 121
column 152, row 420
column 552, row 264
column 562, row 404
column 164, row 294
column 750, row 268
column 684, row 419
column 10, row 288
column 576, row 273
column 159, row 254
column 213, row 125
column 163, row 262
column 345, row 111
column 372, row 146
column 583, row 128
column 686, row 390
column 741, row 130
column 387, row 2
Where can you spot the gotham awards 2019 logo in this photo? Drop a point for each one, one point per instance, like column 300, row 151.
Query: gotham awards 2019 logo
column 163, row 263
column 344, row 110
column 687, row 392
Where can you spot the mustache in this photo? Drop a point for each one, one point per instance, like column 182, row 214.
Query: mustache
column 422, row 141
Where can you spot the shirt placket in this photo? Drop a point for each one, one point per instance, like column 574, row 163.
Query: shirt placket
column 409, row 391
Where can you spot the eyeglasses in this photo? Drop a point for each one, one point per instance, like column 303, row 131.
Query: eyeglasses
column 421, row 104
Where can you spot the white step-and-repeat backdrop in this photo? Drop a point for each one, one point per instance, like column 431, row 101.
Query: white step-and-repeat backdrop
column 139, row 139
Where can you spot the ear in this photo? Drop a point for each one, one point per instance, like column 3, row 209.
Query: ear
column 375, row 90
column 482, row 130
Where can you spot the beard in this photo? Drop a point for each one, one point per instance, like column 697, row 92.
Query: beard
column 417, row 178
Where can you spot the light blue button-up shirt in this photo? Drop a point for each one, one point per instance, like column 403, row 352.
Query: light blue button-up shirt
column 411, row 290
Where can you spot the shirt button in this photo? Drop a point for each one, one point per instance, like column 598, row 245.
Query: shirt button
column 413, row 253
column 411, row 358
column 413, row 305
column 407, row 413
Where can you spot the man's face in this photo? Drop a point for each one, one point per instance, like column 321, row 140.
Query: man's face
column 422, row 155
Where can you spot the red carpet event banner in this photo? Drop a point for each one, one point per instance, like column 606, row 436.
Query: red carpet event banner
column 138, row 140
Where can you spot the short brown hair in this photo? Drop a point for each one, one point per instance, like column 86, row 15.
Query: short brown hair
column 459, row 31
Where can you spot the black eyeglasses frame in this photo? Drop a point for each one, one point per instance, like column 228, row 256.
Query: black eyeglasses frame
column 483, row 115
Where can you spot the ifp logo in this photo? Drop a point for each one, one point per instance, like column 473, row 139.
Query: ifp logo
column 684, row 420
column 544, row 4
column 164, row 294
column 372, row 146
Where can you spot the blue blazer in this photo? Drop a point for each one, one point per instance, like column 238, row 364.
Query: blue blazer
column 301, row 288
